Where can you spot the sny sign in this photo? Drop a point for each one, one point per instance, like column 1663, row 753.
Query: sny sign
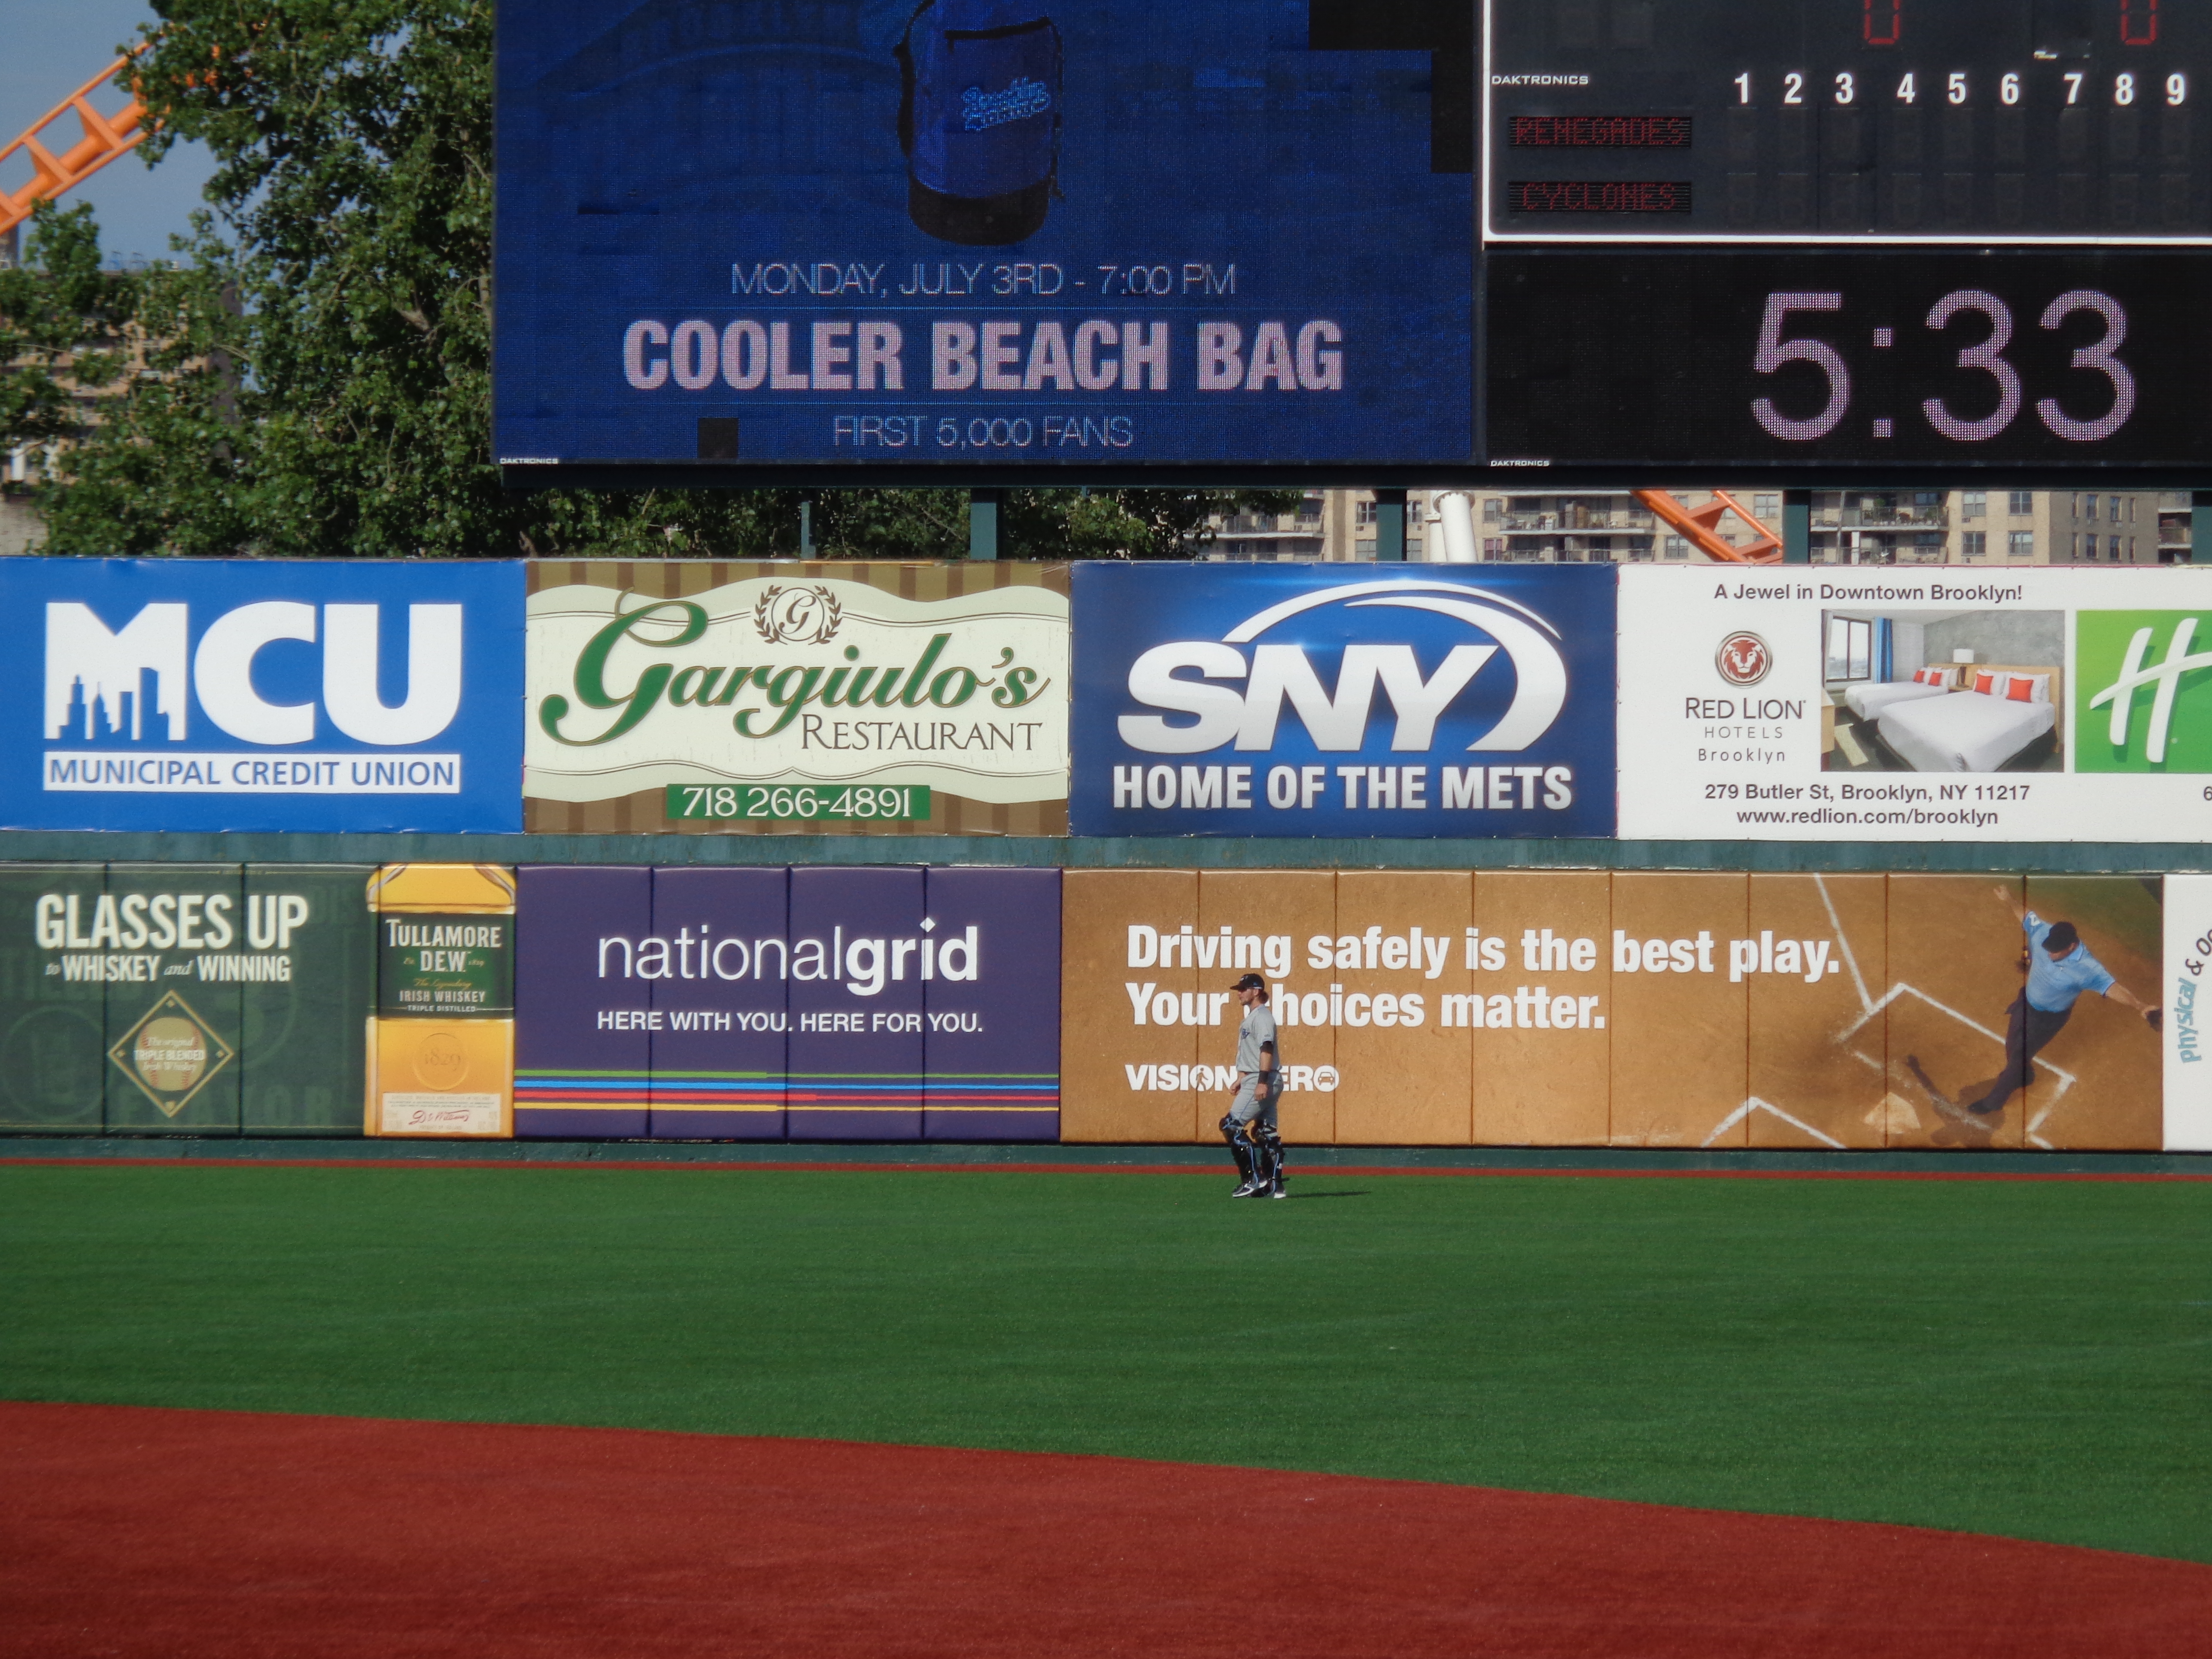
column 1304, row 700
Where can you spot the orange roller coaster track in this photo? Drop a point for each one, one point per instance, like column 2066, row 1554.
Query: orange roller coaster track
column 104, row 137
column 1701, row 527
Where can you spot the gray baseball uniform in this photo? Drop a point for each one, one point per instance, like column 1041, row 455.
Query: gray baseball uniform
column 1256, row 1095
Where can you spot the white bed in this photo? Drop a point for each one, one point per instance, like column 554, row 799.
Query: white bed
column 1963, row 730
column 1869, row 700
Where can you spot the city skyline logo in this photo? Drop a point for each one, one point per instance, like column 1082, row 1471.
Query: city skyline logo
column 2119, row 658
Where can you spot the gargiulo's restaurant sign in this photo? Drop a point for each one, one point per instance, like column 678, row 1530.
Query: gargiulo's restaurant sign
column 797, row 697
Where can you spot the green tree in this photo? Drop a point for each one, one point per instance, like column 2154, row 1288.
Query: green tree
column 65, row 329
column 322, row 347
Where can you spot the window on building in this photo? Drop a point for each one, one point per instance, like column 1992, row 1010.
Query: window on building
column 2021, row 544
column 2089, row 506
column 2023, row 503
column 1767, row 510
column 1309, row 509
column 1850, row 648
column 1364, row 513
column 2089, row 549
column 2116, row 508
column 1491, row 504
column 1973, row 543
column 1675, row 548
column 1972, row 504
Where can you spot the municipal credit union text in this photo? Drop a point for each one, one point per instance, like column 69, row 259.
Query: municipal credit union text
column 984, row 354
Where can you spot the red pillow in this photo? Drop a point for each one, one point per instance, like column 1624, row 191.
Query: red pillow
column 2022, row 690
column 1986, row 685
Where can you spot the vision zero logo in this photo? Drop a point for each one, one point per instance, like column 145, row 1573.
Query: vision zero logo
column 1233, row 693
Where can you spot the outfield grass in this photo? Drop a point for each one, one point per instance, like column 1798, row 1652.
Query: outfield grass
column 2030, row 1358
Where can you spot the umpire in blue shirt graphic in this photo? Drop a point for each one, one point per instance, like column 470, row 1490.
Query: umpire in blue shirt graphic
column 2059, row 968
column 1249, row 1124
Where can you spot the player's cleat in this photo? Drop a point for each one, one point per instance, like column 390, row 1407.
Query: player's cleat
column 1276, row 1191
column 1248, row 1189
column 1244, row 1152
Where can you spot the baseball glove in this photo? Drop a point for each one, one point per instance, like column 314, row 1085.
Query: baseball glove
column 2155, row 1018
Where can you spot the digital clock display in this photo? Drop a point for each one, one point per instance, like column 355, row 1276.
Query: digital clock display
column 2049, row 358
column 1885, row 120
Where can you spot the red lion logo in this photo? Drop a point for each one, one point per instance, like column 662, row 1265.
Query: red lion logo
column 1743, row 660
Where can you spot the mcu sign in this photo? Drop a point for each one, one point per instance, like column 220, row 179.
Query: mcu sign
column 1213, row 700
column 260, row 694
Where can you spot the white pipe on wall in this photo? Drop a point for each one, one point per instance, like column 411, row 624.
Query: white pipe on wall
column 1455, row 515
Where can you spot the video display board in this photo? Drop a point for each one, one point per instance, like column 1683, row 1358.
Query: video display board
column 997, row 231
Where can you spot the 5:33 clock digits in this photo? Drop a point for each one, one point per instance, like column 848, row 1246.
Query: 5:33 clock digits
column 2098, row 357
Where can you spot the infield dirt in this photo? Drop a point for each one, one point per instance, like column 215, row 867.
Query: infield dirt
column 181, row 1534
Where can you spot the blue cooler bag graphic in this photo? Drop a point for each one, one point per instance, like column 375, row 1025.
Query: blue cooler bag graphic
column 980, row 119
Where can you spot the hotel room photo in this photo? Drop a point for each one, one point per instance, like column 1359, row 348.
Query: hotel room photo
column 1943, row 690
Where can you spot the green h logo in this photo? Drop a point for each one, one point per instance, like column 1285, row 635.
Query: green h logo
column 2114, row 656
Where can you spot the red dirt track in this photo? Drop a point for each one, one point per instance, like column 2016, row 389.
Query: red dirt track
column 127, row 1531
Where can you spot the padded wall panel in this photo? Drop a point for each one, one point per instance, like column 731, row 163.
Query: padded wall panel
column 587, row 965
column 1409, row 1081
column 53, row 999
column 173, row 1034
column 1680, row 1025
column 1124, row 1075
column 991, row 1041
column 309, row 991
column 1818, row 1042
column 721, row 1038
column 1955, row 964
column 1540, row 1085
column 2099, row 1085
column 856, row 1004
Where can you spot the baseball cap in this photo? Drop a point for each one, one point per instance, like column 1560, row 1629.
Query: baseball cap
column 1251, row 982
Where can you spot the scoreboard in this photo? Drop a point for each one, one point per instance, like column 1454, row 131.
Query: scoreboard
column 1912, row 121
column 1842, row 234
column 1151, row 241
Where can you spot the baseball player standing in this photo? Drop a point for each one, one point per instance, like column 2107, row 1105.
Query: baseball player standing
column 2059, row 968
column 1249, row 1125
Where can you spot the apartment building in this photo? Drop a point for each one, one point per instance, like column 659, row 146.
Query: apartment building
column 1854, row 526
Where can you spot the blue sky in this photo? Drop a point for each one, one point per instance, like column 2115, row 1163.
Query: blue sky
column 53, row 50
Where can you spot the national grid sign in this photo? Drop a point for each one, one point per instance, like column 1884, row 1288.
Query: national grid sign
column 1328, row 700
column 163, row 694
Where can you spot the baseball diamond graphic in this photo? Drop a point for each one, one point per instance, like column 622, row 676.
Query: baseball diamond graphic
column 1943, row 1012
